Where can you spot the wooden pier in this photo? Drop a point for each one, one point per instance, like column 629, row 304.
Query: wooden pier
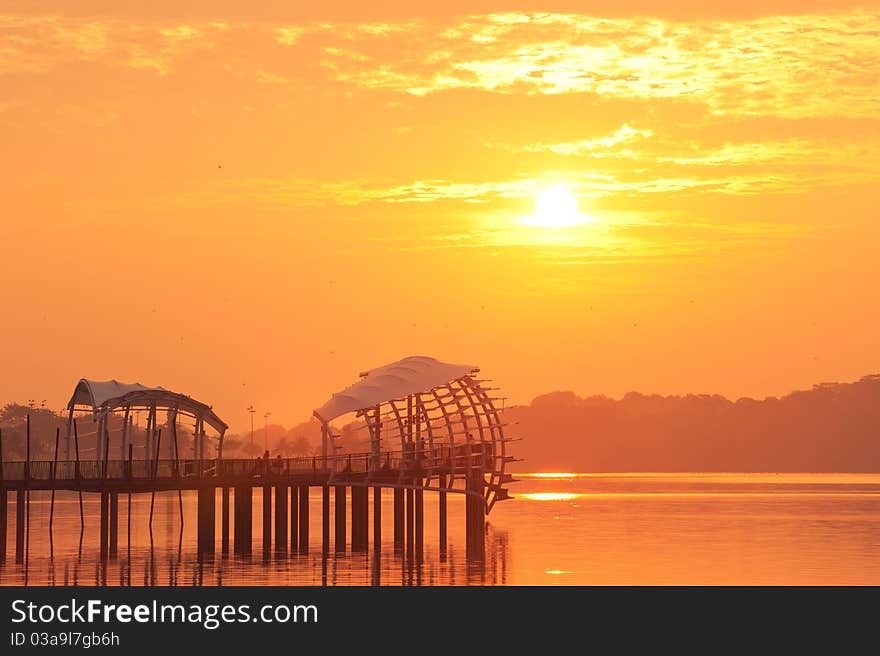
column 431, row 427
column 227, row 487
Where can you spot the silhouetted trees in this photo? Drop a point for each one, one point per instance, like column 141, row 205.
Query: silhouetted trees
column 832, row 427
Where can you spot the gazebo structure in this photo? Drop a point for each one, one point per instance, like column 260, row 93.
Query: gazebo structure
column 112, row 406
column 430, row 422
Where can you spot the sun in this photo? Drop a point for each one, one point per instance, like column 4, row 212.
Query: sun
column 555, row 208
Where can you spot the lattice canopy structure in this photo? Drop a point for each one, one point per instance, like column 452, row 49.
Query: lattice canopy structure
column 436, row 418
column 113, row 407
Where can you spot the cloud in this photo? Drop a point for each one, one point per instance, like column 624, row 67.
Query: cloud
column 589, row 184
column 794, row 66
column 269, row 78
column 37, row 44
column 288, row 34
column 597, row 146
column 790, row 66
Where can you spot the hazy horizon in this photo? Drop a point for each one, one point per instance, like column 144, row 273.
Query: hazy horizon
column 259, row 425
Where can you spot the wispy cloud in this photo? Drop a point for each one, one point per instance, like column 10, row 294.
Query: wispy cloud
column 37, row 44
column 791, row 66
column 805, row 65
column 589, row 184
column 597, row 146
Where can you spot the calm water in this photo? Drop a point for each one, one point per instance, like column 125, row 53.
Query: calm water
column 560, row 530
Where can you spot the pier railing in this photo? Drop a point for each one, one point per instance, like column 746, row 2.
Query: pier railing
column 440, row 459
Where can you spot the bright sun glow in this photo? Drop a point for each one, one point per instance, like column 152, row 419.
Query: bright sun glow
column 556, row 208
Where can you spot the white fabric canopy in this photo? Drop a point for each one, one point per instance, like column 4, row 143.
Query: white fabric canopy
column 95, row 393
column 397, row 380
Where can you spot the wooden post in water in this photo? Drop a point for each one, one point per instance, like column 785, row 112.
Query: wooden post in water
column 19, row 525
column 114, row 524
column 54, row 465
column 129, row 473
column 377, row 519
column 78, row 475
column 294, row 518
column 355, row 518
column 410, row 522
column 420, row 522
column 304, row 518
column 243, row 518
column 281, row 518
column 360, row 518
column 442, row 517
column 155, row 471
column 206, row 519
column 26, row 530
column 105, row 523
column 177, row 472
column 27, row 462
column 475, row 518
column 340, row 519
column 325, row 519
column 224, row 521
column 267, row 518
column 398, row 519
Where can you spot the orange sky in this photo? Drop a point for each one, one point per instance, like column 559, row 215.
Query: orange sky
column 251, row 205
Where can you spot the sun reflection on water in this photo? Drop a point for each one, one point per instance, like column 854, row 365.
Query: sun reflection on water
column 549, row 496
column 551, row 475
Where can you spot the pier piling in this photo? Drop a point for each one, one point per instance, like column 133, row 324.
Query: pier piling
column 243, row 519
column 377, row 519
column 420, row 523
column 398, row 519
column 206, row 519
column 267, row 518
column 294, row 519
column 114, row 524
column 304, row 518
column 441, row 514
column 325, row 519
column 360, row 518
column 224, row 521
column 105, row 523
column 340, row 518
column 19, row 525
column 475, row 519
column 280, row 518
column 410, row 523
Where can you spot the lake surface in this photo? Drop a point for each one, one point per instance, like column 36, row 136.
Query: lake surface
column 566, row 529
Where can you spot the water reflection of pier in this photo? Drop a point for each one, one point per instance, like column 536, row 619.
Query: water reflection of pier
column 172, row 567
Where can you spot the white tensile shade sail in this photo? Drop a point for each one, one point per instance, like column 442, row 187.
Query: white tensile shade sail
column 103, row 396
column 397, row 380
column 95, row 393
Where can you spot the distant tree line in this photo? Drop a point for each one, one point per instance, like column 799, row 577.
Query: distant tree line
column 833, row 427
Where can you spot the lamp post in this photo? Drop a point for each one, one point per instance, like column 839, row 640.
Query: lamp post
column 266, row 429
column 252, row 411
